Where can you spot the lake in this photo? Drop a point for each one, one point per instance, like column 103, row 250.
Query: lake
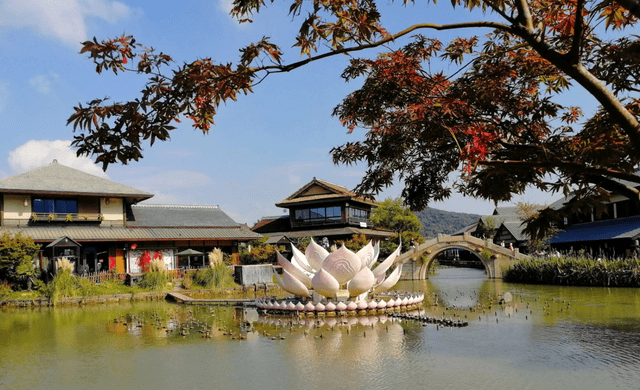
column 546, row 337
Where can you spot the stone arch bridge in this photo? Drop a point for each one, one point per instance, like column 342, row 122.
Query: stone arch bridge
column 416, row 266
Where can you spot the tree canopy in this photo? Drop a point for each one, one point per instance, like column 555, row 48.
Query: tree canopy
column 392, row 215
column 496, row 115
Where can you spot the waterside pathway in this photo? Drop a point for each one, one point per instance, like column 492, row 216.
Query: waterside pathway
column 547, row 337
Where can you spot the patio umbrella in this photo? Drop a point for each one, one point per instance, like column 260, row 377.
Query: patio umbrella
column 189, row 252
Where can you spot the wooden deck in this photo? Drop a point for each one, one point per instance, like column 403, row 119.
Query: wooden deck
column 181, row 298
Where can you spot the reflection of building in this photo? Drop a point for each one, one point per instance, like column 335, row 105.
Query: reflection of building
column 99, row 225
column 321, row 209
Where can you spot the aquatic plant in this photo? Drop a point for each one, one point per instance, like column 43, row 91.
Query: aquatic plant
column 575, row 271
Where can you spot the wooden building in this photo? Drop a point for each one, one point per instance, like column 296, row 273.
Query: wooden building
column 325, row 211
column 100, row 225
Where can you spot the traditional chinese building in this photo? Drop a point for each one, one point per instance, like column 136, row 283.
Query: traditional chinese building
column 321, row 210
column 100, row 225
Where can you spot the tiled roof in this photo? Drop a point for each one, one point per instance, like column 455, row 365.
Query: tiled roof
column 59, row 179
column 272, row 224
column 338, row 193
column 150, row 215
column 601, row 230
column 127, row 234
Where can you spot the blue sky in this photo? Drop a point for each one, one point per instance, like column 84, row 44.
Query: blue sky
column 263, row 147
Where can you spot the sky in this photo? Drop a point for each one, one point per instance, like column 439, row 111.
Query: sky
column 263, row 148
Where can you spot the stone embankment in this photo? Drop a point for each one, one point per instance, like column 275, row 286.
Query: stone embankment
column 251, row 290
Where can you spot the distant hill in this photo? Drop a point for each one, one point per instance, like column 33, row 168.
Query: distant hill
column 436, row 221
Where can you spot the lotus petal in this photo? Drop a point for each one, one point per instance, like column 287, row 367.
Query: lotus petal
column 293, row 285
column 309, row 306
column 391, row 303
column 384, row 266
column 301, row 259
column 291, row 306
column 320, row 306
column 293, row 270
column 325, row 284
column 361, row 283
column 376, row 253
column 373, row 305
column 352, row 306
column 341, row 306
column 382, row 304
column 379, row 279
column 330, row 306
column 404, row 302
column 315, row 255
column 342, row 264
column 366, row 254
column 362, row 305
column 390, row 281
column 299, row 306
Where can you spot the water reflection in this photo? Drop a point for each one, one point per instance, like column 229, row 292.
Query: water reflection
column 546, row 337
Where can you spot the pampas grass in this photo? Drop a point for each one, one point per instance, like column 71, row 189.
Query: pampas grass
column 217, row 275
column 157, row 277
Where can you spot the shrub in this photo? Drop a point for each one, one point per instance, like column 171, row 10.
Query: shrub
column 218, row 276
column 16, row 258
column 63, row 285
column 157, row 276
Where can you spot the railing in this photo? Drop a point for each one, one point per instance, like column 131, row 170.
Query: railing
column 66, row 217
column 327, row 221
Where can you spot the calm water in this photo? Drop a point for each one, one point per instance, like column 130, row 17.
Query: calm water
column 547, row 337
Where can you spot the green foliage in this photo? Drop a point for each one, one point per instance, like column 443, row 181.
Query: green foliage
column 216, row 277
column 63, row 285
column 261, row 253
column 357, row 242
column 17, row 255
column 393, row 215
column 575, row 271
column 156, row 278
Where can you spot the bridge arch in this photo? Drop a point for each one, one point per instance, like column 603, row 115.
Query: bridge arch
column 499, row 257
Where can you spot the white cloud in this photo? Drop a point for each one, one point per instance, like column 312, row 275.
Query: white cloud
column 35, row 154
column 225, row 6
column 4, row 94
column 62, row 20
column 43, row 83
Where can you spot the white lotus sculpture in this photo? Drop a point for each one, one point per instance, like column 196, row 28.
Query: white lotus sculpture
column 327, row 273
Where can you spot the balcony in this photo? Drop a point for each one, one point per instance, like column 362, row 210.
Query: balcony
column 66, row 217
column 331, row 222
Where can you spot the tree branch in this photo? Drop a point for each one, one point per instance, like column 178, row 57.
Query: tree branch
column 346, row 50
column 578, row 31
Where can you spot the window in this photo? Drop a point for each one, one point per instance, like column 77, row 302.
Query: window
column 319, row 213
column 358, row 213
column 51, row 206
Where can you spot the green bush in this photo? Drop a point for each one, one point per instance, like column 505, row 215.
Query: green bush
column 17, row 255
column 575, row 271
column 63, row 285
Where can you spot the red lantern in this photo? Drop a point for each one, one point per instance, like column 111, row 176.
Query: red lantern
column 134, row 246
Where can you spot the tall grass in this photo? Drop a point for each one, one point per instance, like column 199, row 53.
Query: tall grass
column 156, row 278
column 63, row 285
column 575, row 271
column 217, row 275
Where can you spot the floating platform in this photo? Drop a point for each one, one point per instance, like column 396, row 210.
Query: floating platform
column 187, row 300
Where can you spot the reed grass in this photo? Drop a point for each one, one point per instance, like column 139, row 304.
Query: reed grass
column 575, row 271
